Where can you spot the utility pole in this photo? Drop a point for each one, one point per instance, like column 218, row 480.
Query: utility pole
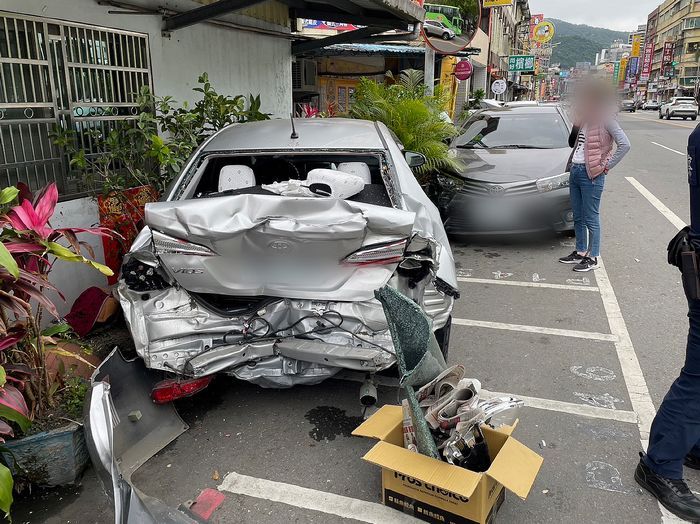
column 429, row 69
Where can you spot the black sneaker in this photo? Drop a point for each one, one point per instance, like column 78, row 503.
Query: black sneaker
column 674, row 495
column 587, row 264
column 573, row 258
column 692, row 461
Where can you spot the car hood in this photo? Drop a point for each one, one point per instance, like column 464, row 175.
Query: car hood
column 512, row 165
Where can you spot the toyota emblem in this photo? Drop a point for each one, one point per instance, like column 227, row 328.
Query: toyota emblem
column 496, row 190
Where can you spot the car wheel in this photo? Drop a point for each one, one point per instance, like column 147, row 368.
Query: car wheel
column 661, row 116
column 694, row 117
column 445, row 36
column 668, row 115
column 442, row 336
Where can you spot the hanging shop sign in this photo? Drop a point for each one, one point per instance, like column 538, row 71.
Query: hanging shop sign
column 499, row 87
column 623, row 69
column 544, row 52
column 667, row 54
column 647, row 59
column 497, row 3
column 520, row 63
column 636, row 45
column 632, row 66
column 327, row 25
column 616, row 73
column 464, row 70
column 543, row 32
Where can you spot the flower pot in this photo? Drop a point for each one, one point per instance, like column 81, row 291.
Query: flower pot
column 122, row 212
column 50, row 458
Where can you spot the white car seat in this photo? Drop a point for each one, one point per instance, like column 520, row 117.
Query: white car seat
column 358, row 169
column 342, row 184
column 236, row 177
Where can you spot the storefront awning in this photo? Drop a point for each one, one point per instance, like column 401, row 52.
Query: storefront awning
column 386, row 14
column 380, row 50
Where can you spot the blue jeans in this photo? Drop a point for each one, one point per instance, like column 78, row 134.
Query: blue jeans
column 585, row 203
column 675, row 431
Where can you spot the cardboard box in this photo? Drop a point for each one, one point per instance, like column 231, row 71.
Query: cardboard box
column 435, row 491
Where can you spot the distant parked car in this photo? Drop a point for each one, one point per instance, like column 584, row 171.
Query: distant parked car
column 435, row 28
column 679, row 106
column 515, row 178
column 651, row 105
column 628, row 105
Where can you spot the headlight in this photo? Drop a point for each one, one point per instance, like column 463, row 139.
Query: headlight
column 553, row 182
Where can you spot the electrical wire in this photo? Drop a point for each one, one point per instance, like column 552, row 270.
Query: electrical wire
column 276, row 335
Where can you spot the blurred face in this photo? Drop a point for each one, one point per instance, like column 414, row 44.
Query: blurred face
column 594, row 100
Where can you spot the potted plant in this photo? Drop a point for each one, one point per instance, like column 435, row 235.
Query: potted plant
column 29, row 247
column 132, row 164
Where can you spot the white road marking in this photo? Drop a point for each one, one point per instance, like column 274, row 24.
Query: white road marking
column 519, row 283
column 672, row 150
column 312, row 499
column 660, row 206
column 631, row 370
column 571, row 408
column 590, row 335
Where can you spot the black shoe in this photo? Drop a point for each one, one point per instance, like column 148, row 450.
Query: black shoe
column 573, row 258
column 692, row 461
column 674, row 495
column 586, row 264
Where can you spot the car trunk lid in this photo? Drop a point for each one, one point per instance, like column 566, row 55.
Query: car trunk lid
column 297, row 247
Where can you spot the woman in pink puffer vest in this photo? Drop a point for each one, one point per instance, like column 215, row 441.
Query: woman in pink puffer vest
column 598, row 143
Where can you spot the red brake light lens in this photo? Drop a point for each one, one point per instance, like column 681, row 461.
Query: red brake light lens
column 389, row 253
column 172, row 389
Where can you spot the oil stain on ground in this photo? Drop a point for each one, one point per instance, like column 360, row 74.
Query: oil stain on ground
column 329, row 422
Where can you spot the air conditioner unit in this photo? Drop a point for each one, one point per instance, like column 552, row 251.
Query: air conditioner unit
column 304, row 76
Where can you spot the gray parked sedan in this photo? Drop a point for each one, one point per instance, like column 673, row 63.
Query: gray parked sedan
column 515, row 178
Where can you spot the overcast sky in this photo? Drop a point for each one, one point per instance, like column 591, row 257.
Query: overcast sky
column 622, row 15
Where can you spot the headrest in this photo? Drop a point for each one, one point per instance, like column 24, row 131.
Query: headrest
column 358, row 169
column 236, row 177
column 343, row 185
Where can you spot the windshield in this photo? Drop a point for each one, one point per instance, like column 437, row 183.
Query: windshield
column 685, row 100
column 514, row 131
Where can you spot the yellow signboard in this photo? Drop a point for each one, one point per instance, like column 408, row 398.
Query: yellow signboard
column 636, row 45
column 543, row 32
column 623, row 69
column 497, row 3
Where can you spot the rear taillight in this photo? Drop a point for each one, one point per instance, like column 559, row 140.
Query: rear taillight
column 172, row 389
column 389, row 253
column 165, row 245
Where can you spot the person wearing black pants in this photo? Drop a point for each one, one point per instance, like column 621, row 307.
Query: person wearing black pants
column 675, row 433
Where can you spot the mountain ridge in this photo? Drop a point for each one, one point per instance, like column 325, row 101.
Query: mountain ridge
column 581, row 42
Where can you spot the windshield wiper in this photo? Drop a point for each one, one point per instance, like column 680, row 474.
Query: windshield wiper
column 518, row 146
column 472, row 146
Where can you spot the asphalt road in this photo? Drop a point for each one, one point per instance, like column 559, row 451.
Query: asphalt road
column 592, row 355
column 448, row 46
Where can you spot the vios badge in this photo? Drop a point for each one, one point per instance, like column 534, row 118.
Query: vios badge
column 188, row 270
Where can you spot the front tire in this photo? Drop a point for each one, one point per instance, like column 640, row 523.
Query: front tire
column 668, row 115
column 445, row 36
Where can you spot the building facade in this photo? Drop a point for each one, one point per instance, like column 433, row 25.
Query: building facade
column 675, row 25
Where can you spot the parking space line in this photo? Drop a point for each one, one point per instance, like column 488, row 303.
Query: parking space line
column 590, row 335
column 631, row 369
column 313, row 499
column 570, row 407
column 665, row 147
column 545, row 285
column 660, row 206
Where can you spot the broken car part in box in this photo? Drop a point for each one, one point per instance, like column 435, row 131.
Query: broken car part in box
column 232, row 276
column 438, row 492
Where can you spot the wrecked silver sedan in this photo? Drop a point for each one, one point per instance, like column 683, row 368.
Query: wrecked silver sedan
column 262, row 260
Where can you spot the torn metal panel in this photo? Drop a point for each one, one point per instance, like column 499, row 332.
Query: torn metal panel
column 119, row 444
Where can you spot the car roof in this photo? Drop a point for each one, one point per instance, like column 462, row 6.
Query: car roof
column 314, row 133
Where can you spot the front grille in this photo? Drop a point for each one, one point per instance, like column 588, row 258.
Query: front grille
column 480, row 188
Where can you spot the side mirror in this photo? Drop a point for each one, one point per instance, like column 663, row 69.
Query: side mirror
column 414, row 159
